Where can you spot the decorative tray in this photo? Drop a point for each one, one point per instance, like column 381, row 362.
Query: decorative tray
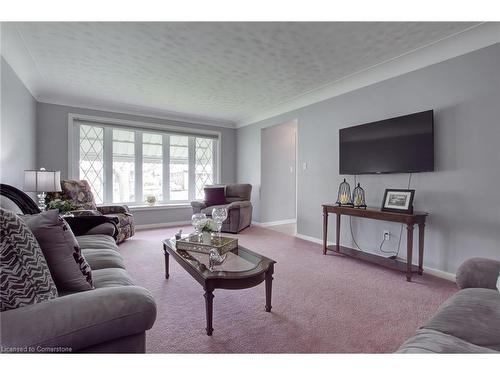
column 203, row 244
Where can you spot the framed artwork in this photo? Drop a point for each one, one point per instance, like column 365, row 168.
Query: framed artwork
column 398, row 200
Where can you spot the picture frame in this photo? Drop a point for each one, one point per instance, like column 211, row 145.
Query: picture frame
column 398, row 200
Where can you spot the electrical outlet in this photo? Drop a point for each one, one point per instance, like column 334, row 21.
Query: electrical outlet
column 387, row 235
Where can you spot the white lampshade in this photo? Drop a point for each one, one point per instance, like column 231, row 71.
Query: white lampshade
column 42, row 180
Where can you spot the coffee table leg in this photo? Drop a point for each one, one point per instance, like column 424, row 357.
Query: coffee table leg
column 269, row 287
column 209, row 307
column 166, row 263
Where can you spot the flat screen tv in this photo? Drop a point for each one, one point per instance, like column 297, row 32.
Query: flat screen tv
column 402, row 144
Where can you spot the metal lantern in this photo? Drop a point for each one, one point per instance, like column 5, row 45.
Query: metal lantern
column 358, row 197
column 344, row 194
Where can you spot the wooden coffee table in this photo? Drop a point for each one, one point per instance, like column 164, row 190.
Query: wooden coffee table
column 242, row 269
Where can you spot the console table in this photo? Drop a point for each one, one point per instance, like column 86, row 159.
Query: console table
column 410, row 220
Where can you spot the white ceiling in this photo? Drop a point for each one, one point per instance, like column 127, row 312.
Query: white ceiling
column 212, row 72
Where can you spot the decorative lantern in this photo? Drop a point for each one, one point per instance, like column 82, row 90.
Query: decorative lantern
column 344, row 194
column 358, row 197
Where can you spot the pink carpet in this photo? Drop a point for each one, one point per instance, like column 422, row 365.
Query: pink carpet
column 321, row 304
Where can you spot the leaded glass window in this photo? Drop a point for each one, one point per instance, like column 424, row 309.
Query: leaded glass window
column 204, row 165
column 124, row 164
column 91, row 163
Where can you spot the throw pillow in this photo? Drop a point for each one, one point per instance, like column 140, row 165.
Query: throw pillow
column 68, row 267
column 498, row 282
column 24, row 274
column 215, row 196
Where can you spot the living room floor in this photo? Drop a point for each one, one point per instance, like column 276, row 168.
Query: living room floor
column 321, row 304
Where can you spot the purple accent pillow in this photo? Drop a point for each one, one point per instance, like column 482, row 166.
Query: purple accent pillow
column 69, row 269
column 215, row 196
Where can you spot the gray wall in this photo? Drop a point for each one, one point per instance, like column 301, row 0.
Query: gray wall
column 52, row 150
column 461, row 196
column 18, row 128
column 278, row 172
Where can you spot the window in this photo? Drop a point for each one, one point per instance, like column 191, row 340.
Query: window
column 152, row 165
column 91, row 163
column 179, row 168
column 125, row 164
column 204, row 165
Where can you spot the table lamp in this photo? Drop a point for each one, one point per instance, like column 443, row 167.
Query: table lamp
column 42, row 182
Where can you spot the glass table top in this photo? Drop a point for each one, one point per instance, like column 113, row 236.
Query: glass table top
column 239, row 260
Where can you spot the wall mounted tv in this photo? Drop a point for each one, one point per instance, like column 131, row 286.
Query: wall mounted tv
column 402, row 144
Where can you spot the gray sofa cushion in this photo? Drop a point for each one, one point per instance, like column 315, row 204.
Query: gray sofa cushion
column 430, row 341
column 108, row 229
column 472, row 315
column 230, row 206
column 208, row 210
column 25, row 276
column 97, row 241
column 241, row 192
column 111, row 277
column 68, row 267
column 103, row 258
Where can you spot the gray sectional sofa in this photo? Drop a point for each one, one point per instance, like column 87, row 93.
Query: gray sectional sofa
column 469, row 321
column 111, row 318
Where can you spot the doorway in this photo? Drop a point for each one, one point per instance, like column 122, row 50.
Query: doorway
column 279, row 177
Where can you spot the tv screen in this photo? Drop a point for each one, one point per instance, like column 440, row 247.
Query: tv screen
column 398, row 145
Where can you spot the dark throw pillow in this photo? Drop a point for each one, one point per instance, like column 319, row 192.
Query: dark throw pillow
column 68, row 267
column 24, row 275
column 215, row 196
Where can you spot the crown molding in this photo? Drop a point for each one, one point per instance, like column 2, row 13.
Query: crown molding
column 474, row 38
column 135, row 111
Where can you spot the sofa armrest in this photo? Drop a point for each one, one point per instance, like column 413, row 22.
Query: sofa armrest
column 238, row 204
column 478, row 273
column 116, row 209
column 79, row 320
column 198, row 206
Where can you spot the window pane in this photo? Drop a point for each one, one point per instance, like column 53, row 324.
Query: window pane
column 91, row 163
column 179, row 168
column 204, row 165
column 152, row 165
column 123, row 166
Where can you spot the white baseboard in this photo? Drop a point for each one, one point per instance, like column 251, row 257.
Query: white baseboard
column 431, row 271
column 441, row 274
column 162, row 225
column 312, row 239
column 271, row 223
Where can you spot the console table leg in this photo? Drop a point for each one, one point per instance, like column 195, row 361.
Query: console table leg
column 409, row 250
column 337, row 235
column 325, row 230
column 421, row 229
column 166, row 263
column 269, row 287
column 209, row 308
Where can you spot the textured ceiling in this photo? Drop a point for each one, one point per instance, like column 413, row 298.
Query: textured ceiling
column 226, row 71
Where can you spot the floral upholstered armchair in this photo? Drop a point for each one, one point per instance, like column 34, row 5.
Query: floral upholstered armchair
column 80, row 195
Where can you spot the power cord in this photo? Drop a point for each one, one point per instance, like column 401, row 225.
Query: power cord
column 394, row 253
